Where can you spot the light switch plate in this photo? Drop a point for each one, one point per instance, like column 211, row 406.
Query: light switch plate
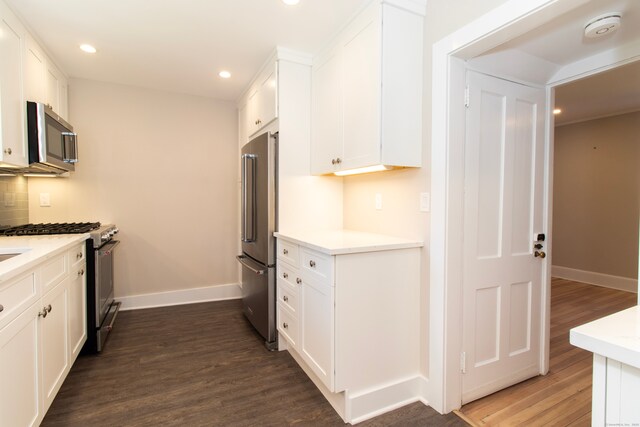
column 378, row 201
column 45, row 199
column 425, row 202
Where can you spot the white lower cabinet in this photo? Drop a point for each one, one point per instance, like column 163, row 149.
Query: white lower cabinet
column 351, row 319
column 42, row 336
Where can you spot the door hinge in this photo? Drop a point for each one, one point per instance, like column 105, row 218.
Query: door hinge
column 466, row 96
column 463, row 362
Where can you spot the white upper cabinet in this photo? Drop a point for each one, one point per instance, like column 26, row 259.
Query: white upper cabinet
column 262, row 106
column 43, row 81
column 367, row 92
column 12, row 110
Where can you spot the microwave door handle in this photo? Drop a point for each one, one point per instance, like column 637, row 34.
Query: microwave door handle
column 70, row 147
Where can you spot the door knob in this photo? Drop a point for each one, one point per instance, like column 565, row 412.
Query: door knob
column 539, row 254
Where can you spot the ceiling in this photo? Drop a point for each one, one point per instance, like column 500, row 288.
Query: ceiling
column 613, row 92
column 179, row 45
column 540, row 57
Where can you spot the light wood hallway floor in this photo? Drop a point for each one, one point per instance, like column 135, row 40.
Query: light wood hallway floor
column 563, row 396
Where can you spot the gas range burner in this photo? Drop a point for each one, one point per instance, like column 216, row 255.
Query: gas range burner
column 50, row 228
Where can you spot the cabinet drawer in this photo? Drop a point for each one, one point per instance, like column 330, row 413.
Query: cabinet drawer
column 76, row 255
column 52, row 271
column 288, row 325
column 288, row 252
column 15, row 296
column 316, row 267
column 288, row 274
column 288, row 296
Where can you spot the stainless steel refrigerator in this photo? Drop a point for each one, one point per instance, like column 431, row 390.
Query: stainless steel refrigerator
column 258, row 223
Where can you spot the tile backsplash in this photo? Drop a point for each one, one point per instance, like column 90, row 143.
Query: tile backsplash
column 14, row 201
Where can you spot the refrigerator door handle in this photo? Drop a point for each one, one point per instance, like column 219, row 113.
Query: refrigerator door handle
column 248, row 198
column 243, row 260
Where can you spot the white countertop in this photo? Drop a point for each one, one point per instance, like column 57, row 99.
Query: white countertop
column 338, row 242
column 616, row 336
column 33, row 250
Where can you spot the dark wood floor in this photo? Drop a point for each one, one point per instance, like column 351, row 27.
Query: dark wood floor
column 563, row 396
column 200, row 365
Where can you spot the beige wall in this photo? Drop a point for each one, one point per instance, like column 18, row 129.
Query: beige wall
column 595, row 195
column 400, row 189
column 162, row 167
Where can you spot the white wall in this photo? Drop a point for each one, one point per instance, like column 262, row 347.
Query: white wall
column 161, row 166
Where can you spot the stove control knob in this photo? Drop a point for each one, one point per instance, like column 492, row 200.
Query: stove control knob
column 115, row 230
column 104, row 237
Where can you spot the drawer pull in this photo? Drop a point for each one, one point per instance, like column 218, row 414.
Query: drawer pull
column 1, row 308
column 79, row 255
column 48, row 308
column 81, row 273
column 285, row 325
column 43, row 313
column 312, row 264
column 285, row 275
column 285, row 298
column 285, row 251
column 298, row 280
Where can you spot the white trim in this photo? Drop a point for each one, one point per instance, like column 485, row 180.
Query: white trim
column 362, row 406
column 593, row 278
column 286, row 54
column 601, row 116
column 419, row 7
column 182, row 296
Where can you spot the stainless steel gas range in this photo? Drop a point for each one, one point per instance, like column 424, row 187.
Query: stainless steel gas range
column 102, row 308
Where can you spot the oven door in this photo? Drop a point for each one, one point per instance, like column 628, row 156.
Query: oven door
column 104, row 279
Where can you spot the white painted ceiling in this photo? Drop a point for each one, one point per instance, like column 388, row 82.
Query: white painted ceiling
column 539, row 57
column 179, row 45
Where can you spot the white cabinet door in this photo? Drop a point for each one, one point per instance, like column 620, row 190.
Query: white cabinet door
column 19, row 393
column 361, row 89
column 326, row 113
column 35, row 67
column 54, row 341
column 267, row 100
column 316, row 330
column 77, row 311
column 12, row 108
column 64, row 99
column 52, row 83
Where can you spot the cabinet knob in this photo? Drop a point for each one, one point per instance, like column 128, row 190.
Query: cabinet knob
column 49, row 308
column 1, row 308
column 312, row 264
column 338, row 160
column 285, row 325
column 285, row 275
column 43, row 313
column 285, row 298
column 7, row 151
column 298, row 280
column 79, row 255
column 333, row 161
column 81, row 273
column 284, row 251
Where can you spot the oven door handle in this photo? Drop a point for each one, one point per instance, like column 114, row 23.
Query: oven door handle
column 107, row 247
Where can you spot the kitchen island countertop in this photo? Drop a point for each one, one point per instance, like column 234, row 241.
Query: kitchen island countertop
column 32, row 250
column 340, row 242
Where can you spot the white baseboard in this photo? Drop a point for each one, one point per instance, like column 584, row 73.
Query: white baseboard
column 182, row 296
column 593, row 278
column 362, row 406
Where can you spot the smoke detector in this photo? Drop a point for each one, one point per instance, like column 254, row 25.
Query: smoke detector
column 603, row 25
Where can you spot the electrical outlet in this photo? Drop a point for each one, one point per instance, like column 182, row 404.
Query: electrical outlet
column 425, row 202
column 378, row 201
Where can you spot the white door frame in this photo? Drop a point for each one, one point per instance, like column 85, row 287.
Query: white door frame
column 504, row 23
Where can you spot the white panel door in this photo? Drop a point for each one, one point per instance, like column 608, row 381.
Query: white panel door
column 504, row 164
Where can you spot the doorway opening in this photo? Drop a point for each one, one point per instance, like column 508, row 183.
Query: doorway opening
column 514, row 42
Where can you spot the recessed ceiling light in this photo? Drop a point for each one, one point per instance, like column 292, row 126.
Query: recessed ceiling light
column 224, row 74
column 557, row 111
column 88, row 48
column 291, row 2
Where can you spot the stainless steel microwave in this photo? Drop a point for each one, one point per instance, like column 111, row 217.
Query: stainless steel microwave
column 52, row 142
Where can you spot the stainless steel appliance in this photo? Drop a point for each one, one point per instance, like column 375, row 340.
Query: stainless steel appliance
column 258, row 223
column 53, row 146
column 102, row 309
